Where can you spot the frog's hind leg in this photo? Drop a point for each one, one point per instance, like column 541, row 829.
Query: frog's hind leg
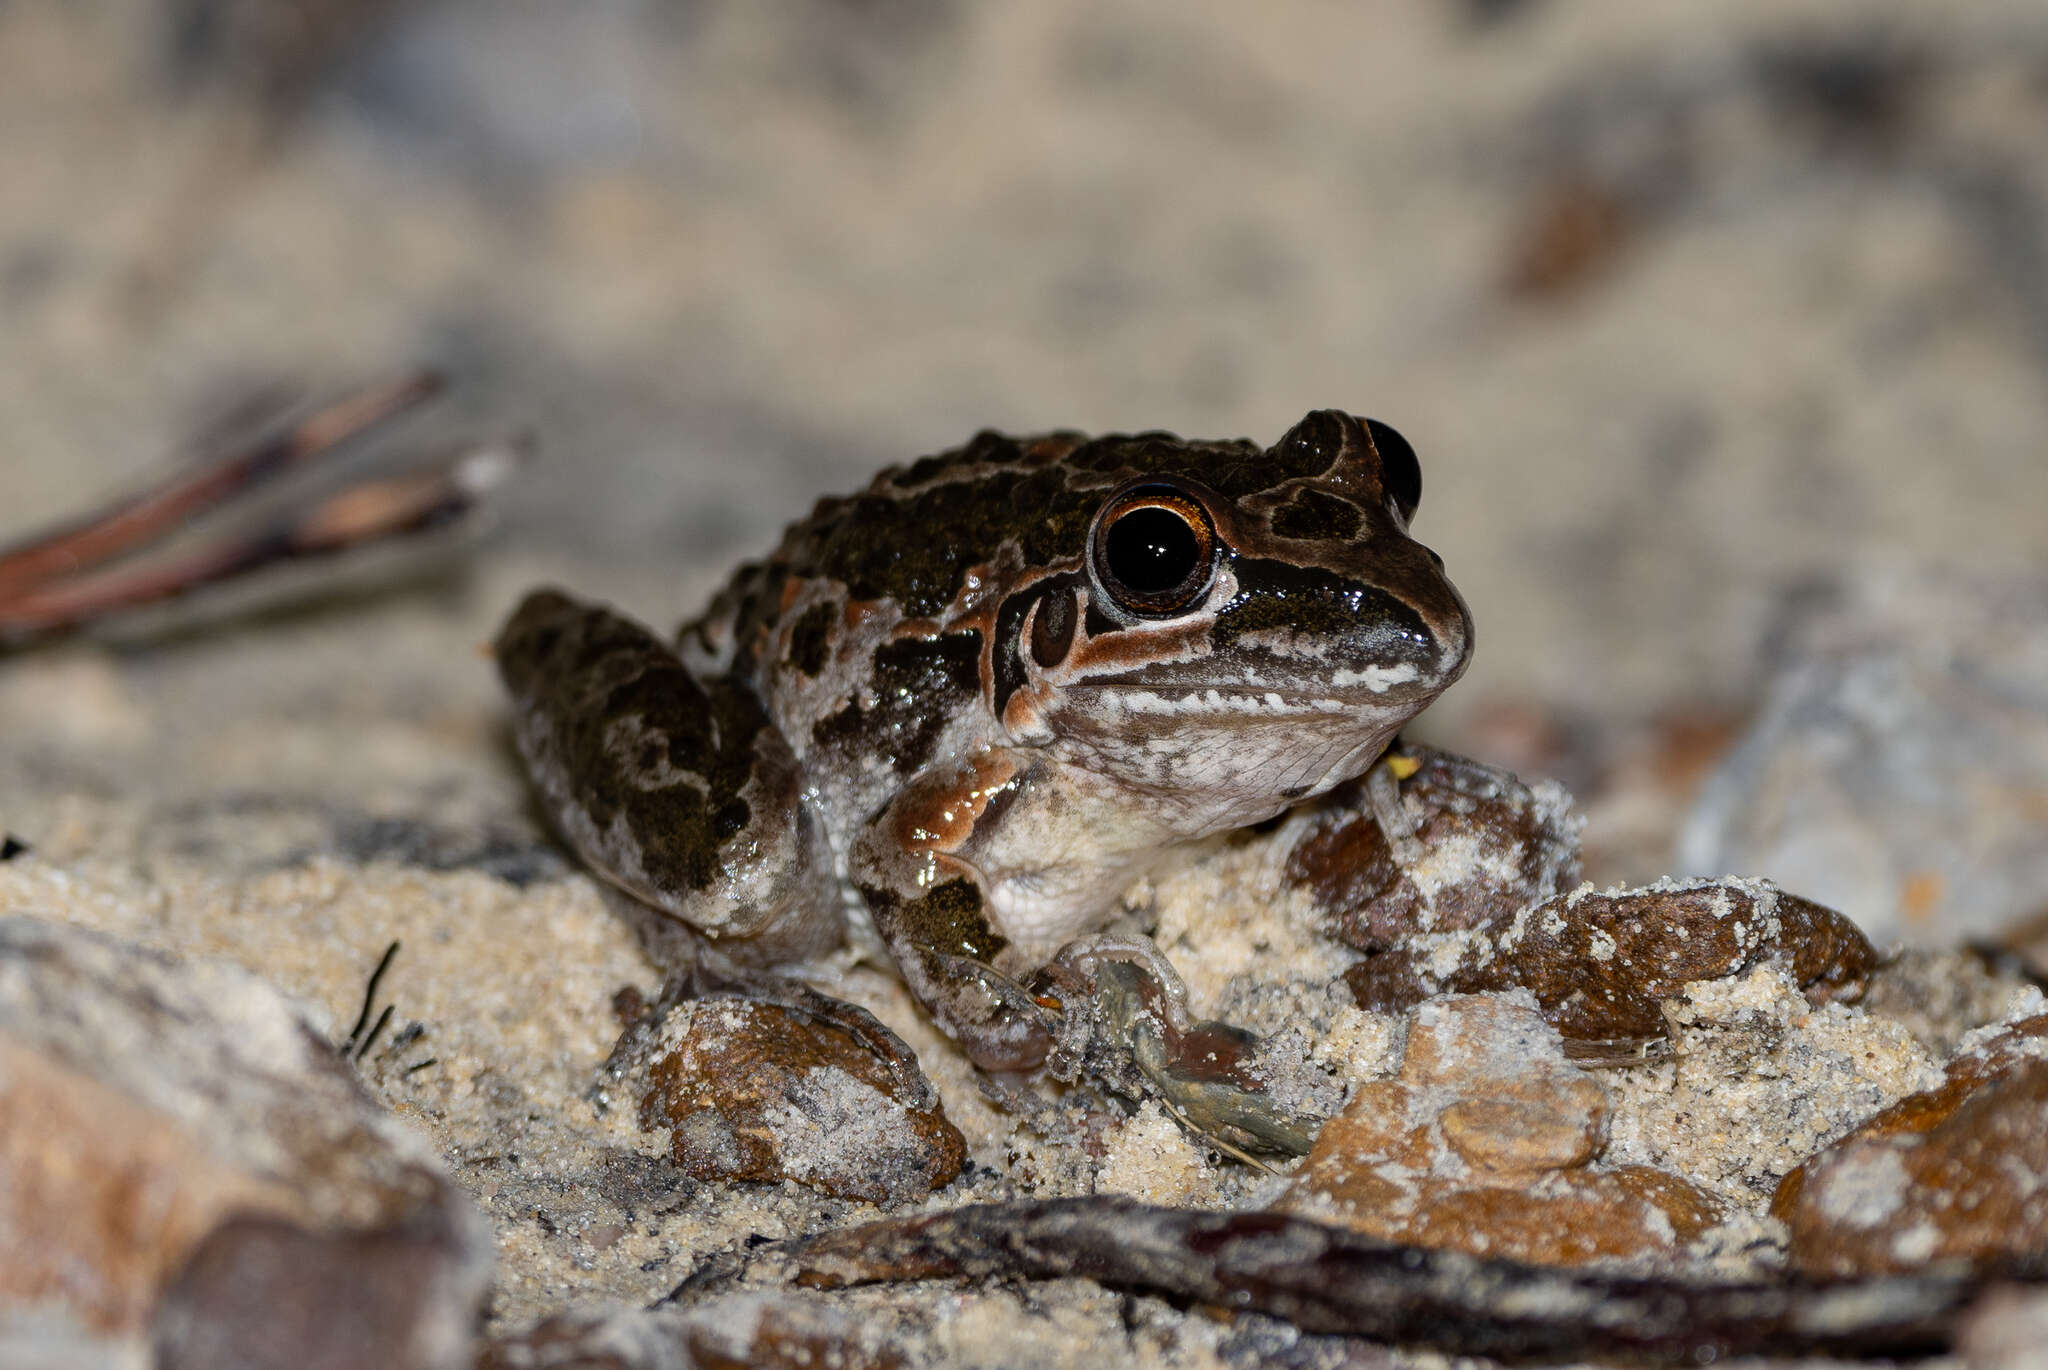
column 678, row 791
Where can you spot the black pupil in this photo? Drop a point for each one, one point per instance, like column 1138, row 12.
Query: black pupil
column 1152, row 550
column 1398, row 465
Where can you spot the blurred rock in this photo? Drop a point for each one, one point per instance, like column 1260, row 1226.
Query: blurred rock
column 1898, row 770
column 1956, row 1173
column 774, row 1082
column 2025, row 943
column 183, row 1158
column 1486, row 1142
column 2006, row 1330
column 766, row 1330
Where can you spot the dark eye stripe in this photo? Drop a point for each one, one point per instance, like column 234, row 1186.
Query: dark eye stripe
column 1055, row 600
column 1052, row 628
column 1007, row 650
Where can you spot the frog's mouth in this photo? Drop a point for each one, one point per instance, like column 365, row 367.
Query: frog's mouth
column 1311, row 686
column 1237, row 702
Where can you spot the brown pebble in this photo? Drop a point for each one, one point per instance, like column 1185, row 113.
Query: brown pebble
column 1488, row 1141
column 792, row 1090
column 1955, row 1173
column 1603, row 964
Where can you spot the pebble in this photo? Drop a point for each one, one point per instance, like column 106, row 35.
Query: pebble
column 769, row 1091
column 1898, row 767
column 1603, row 964
column 1957, row 1173
column 1489, row 1141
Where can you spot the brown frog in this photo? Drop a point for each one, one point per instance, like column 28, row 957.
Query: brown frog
column 963, row 709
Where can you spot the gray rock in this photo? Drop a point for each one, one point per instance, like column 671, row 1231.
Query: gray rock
column 1899, row 766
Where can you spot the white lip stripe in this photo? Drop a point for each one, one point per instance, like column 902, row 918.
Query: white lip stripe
column 1377, row 678
column 1212, row 701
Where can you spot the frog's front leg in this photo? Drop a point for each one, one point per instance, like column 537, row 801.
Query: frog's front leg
column 914, row 865
column 679, row 791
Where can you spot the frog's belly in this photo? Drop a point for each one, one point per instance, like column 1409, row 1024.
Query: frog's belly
column 1042, row 912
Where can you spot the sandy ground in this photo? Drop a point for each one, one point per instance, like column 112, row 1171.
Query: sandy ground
column 1689, row 311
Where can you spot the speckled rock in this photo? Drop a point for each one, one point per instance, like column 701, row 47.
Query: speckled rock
column 1487, row 1142
column 1955, row 1173
column 1603, row 964
column 183, row 1159
column 1483, row 847
column 766, row 1080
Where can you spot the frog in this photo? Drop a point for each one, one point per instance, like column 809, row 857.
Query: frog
column 956, row 715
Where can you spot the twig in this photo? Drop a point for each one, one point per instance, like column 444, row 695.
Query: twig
column 355, row 1036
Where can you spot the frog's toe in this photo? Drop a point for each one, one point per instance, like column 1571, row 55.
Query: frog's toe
column 1238, row 1116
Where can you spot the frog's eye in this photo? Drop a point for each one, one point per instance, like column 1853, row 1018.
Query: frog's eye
column 1400, row 472
column 1154, row 551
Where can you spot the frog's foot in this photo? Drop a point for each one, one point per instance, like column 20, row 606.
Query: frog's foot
column 1001, row 1025
column 1126, row 1024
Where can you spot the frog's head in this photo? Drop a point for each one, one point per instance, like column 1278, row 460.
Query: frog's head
column 1244, row 628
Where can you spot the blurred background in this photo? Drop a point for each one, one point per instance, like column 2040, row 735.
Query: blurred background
column 1711, row 323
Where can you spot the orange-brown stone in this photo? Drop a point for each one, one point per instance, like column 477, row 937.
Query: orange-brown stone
column 1957, row 1173
column 1488, row 1141
column 759, row 1091
column 101, row 1196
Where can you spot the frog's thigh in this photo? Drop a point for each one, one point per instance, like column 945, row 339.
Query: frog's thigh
column 679, row 791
